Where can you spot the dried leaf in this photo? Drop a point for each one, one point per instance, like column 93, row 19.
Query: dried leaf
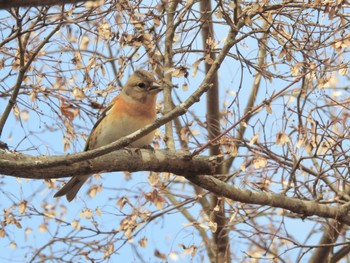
column 85, row 40
column 43, row 228
column 27, row 231
column 87, row 213
column 75, row 225
column 343, row 71
column 109, row 250
column 195, row 66
column 191, row 250
column 156, row 21
column 268, row 108
column 24, row 115
column 282, row 53
column 94, row 189
column 98, row 211
column 254, row 139
column 180, row 72
column 300, row 142
column 2, row 232
column 32, row 95
column 309, row 147
column 22, row 207
column 155, row 198
column 13, row 245
column 16, row 111
column 282, row 138
column 153, row 178
column 143, row 242
column 247, row 20
column 122, row 202
column 259, row 162
column 159, row 255
column 104, row 31
column 78, row 93
column 66, row 144
column 67, row 110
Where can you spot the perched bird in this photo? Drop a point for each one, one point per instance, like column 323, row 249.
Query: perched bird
column 131, row 110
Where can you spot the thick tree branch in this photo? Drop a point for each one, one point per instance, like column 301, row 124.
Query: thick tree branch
column 168, row 64
column 27, row 3
column 46, row 167
column 220, row 236
column 302, row 207
column 329, row 237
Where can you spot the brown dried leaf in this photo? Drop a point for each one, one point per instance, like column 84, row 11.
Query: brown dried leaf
column 32, row 95
column 24, row 115
column 67, row 110
column 94, row 189
column 109, row 250
column 75, row 225
column 2, row 232
column 268, row 108
column 143, row 242
column 259, row 162
column 122, row 202
column 155, row 198
column 300, row 142
column 195, row 66
column 84, row 43
column 156, row 21
column 22, row 207
column 282, row 138
column 343, row 71
column 16, row 111
column 66, row 144
column 247, row 20
column 87, row 213
column 43, row 228
column 78, row 93
column 153, row 178
column 181, row 71
column 191, row 250
column 159, row 255
column 254, row 139
column 104, row 31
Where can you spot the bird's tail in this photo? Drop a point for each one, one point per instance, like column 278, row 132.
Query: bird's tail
column 71, row 188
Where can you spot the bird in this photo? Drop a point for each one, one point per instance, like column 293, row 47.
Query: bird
column 132, row 109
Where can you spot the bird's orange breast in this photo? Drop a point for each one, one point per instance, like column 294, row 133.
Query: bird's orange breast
column 135, row 109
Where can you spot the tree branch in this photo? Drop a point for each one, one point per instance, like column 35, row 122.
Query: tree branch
column 26, row 3
column 303, row 207
column 47, row 167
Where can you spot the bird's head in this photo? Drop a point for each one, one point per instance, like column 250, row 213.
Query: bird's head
column 141, row 86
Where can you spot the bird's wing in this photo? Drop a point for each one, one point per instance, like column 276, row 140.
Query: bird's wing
column 102, row 116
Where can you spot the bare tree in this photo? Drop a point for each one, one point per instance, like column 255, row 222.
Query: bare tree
column 259, row 171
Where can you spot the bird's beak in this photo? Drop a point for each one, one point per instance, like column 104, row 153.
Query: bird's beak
column 156, row 87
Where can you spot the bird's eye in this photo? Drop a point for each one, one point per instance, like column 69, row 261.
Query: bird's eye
column 142, row 85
